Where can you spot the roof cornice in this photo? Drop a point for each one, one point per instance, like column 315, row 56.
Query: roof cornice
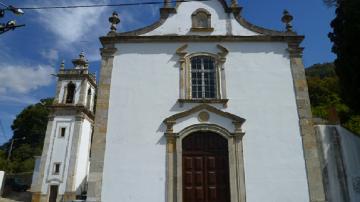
column 197, row 38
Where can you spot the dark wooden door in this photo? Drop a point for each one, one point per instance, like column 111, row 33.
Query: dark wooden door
column 205, row 168
column 53, row 193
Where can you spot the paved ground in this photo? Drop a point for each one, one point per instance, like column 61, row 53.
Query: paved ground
column 6, row 200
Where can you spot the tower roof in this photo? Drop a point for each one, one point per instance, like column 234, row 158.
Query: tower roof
column 78, row 71
column 81, row 62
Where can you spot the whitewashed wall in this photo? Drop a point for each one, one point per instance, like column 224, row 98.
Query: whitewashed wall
column 82, row 162
column 36, row 172
column 144, row 91
column 180, row 23
column 2, row 181
column 59, row 152
column 348, row 156
column 92, row 98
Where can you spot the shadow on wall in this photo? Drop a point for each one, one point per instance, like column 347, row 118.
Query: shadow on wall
column 81, row 191
column 170, row 48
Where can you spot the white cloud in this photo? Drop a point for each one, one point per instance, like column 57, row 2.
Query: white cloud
column 72, row 25
column 23, row 79
column 74, row 30
column 51, row 55
column 78, row 29
column 9, row 100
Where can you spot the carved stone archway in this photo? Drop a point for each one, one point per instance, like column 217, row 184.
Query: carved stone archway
column 174, row 151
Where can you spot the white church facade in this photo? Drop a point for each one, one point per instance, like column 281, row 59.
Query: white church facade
column 201, row 106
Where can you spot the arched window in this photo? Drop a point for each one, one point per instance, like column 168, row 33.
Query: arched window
column 70, row 92
column 203, row 77
column 88, row 99
column 201, row 20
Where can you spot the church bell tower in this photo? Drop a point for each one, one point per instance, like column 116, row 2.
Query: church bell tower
column 64, row 165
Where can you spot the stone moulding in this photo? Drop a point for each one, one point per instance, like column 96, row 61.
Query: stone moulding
column 212, row 101
column 189, row 38
column 78, row 109
column 202, row 29
column 172, row 119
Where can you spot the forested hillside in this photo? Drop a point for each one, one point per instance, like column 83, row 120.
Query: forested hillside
column 325, row 91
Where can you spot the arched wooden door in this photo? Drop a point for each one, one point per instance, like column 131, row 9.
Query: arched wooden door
column 205, row 168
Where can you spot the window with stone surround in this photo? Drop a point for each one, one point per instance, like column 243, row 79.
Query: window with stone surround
column 201, row 21
column 56, row 169
column 88, row 98
column 202, row 76
column 62, row 131
column 70, row 93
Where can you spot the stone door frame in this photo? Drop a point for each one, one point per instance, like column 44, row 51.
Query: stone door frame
column 236, row 160
column 174, row 150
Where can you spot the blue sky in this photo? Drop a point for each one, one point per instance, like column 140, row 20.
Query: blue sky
column 29, row 55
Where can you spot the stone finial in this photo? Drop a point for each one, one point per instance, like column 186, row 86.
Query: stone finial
column 114, row 20
column 62, row 65
column 287, row 18
column 167, row 4
column 81, row 62
column 234, row 4
column 235, row 8
column 167, row 9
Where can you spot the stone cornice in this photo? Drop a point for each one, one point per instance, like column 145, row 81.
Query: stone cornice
column 88, row 77
column 196, row 38
column 108, row 51
column 144, row 30
column 212, row 101
column 261, row 30
column 294, row 48
column 78, row 110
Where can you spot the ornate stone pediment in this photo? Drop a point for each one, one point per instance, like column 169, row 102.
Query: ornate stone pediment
column 204, row 114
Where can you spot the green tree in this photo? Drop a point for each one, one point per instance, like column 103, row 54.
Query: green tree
column 325, row 91
column 346, row 43
column 29, row 129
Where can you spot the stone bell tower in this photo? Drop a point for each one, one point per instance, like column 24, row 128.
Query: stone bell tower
column 62, row 174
